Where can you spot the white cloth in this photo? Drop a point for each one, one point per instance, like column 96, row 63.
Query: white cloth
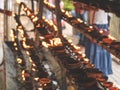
column 100, row 17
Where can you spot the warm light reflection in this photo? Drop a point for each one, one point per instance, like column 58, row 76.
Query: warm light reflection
column 38, row 25
column 15, row 44
column 76, row 47
column 35, row 19
column 40, row 88
column 41, row 37
column 33, row 69
column 25, row 9
column 27, row 53
column 55, row 42
column 36, row 79
column 23, row 77
column 44, row 44
column 91, row 27
column 30, row 60
column 18, row 1
column 70, row 41
column 111, row 37
column 13, row 14
column 86, row 59
column 68, row 14
column 28, row 13
column 101, row 31
column 16, row 48
column 25, row 46
column 33, row 65
column 12, row 35
column 19, row 60
column 55, row 28
column 81, row 21
column 79, row 52
column 83, row 55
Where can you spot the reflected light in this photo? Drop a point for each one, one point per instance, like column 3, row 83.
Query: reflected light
column 18, row 1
